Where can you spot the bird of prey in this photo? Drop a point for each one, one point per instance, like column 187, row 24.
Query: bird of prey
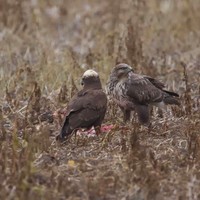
column 87, row 108
column 136, row 92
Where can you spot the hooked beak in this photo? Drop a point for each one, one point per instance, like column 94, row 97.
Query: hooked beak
column 129, row 70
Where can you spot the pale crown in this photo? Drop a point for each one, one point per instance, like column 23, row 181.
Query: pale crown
column 90, row 73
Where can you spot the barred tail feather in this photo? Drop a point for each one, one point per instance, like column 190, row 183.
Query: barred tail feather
column 171, row 100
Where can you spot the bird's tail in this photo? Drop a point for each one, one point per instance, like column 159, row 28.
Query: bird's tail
column 143, row 114
column 171, row 98
column 171, row 93
column 65, row 130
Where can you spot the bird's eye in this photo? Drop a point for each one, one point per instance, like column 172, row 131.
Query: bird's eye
column 82, row 81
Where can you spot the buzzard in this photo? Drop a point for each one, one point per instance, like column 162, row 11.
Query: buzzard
column 87, row 108
column 132, row 91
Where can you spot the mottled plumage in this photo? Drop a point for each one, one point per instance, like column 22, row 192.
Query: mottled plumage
column 87, row 108
column 136, row 92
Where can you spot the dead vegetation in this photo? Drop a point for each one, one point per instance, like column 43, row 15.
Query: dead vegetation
column 44, row 48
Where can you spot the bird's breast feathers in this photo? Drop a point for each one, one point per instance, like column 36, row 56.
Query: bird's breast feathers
column 120, row 90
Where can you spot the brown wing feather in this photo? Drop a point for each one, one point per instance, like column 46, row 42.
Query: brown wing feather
column 155, row 82
column 86, row 109
column 89, row 105
column 92, row 99
column 142, row 91
column 160, row 85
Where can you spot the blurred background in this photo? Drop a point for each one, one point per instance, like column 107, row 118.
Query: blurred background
column 45, row 46
column 59, row 35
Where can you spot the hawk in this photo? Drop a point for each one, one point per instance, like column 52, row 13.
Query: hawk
column 87, row 108
column 132, row 91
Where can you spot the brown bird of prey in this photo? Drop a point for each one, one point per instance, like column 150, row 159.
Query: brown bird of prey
column 87, row 108
column 137, row 92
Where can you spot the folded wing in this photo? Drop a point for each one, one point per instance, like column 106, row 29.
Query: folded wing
column 142, row 91
column 86, row 109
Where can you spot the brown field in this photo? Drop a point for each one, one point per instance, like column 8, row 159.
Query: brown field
column 45, row 46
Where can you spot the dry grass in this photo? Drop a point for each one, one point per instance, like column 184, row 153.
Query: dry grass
column 44, row 48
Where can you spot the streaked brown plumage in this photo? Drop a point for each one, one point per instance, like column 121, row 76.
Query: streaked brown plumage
column 136, row 92
column 87, row 108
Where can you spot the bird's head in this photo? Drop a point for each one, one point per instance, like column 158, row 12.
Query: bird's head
column 121, row 70
column 90, row 78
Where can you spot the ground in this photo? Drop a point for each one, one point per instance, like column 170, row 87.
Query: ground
column 45, row 46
